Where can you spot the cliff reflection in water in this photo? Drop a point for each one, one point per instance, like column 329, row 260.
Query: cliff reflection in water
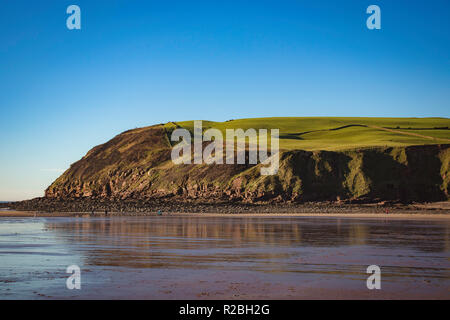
column 259, row 243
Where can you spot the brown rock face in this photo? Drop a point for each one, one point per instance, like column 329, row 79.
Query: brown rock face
column 137, row 164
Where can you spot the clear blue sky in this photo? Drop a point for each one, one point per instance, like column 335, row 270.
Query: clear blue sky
column 137, row 63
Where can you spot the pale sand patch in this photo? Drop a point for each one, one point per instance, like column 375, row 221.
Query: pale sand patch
column 415, row 215
column 12, row 213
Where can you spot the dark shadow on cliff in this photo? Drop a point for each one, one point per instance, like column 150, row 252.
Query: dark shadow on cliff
column 417, row 178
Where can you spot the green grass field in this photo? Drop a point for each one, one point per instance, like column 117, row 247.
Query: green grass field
column 339, row 133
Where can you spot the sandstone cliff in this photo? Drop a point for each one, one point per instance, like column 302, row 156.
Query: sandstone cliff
column 137, row 164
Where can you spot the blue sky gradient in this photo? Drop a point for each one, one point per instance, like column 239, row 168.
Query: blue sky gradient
column 137, row 63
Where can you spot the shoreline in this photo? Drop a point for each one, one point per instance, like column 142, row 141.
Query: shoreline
column 136, row 205
column 399, row 215
column 90, row 207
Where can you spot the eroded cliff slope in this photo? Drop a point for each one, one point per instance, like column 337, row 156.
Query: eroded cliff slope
column 137, row 164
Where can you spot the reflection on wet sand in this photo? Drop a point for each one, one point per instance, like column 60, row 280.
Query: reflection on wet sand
column 262, row 243
column 254, row 257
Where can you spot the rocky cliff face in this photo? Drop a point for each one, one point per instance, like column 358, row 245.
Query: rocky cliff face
column 137, row 164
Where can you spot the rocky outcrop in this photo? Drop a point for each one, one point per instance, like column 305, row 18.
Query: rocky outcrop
column 136, row 165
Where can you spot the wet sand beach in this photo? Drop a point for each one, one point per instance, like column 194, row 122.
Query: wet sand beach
column 193, row 256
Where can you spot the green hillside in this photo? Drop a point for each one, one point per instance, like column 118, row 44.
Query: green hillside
column 333, row 133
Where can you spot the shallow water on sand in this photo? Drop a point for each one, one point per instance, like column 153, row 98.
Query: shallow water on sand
column 224, row 257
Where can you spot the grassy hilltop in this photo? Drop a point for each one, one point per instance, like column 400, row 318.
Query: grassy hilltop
column 333, row 133
column 321, row 158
